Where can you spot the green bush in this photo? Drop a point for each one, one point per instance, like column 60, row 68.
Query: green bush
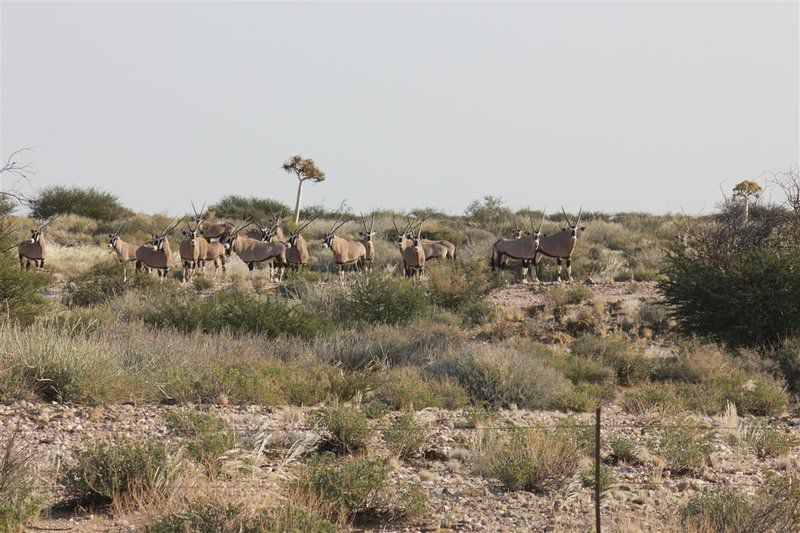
column 344, row 428
column 607, row 478
column 21, row 300
column 530, row 460
column 773, row 507
column 379, row 299
column 126, row 473
column 503, row 376
column 235, row 311
column 19, row 498
column 101, row 283
column 241, row 207
column 617, row 352
column 206, row 437
column 767, row 441
column 623, row 451
column 574, row 295
column 787, row 355
column 406, row 389
column 213, row 516
column 7, row 205
column 460, row 285
column 88, row 202
column 414, row 501
column 405, row 436
column 727, row 300
column 685, row 445
column 354, row 484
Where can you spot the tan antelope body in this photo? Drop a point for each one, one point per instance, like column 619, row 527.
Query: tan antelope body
column 156, row 254
column 33, row 250
column 193, row 250
column 521, row 248
column 559, row 246
column 346, row 252
column 413, row 256
column 297, row 255
column 216, row 230
column 126, row 252
column 366, row 236
column 437, row 249
column 216, row 253
column 252, row 251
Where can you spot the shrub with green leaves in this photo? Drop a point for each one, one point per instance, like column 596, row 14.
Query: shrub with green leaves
column 126, row 473
column 505, row 376
column 377, row 299
column 766, row 441
column 460, row 285
column 206, row 437
column 405, row 436
column 240, row 207
column 88, row 202
column 354, row 484
column 221, row 517
column 623, row 450
column 414, row 501
column 685, row 445
column 575, row 295
column 725, row 299
column 103, row 282
column 19, row 499
column 617, row 352
column 344, row 428
column 407, row 388
column 774, row 507
column 21, row 300
column 607, row 478
column 536, row 460
column 235, row 311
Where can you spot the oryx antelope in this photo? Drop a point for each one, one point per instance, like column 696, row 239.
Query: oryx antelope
column 273, row 232
column 413, row 253
column 522, row 248
column 213, row 230
column 366, row 236
column 559, row 246
column 345, row 251
column 126, row 252
column 297, row 255
column 252, row 251
column 193, row 250
column 433, row 249
column 157, row 253
column 33, row 249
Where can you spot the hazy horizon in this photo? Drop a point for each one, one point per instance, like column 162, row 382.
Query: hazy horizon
column 616, row 107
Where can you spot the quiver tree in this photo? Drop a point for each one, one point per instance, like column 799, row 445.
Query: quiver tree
column 305, row 169
column 746, row 190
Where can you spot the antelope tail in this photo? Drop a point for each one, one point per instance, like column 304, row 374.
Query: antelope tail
column 492, row 261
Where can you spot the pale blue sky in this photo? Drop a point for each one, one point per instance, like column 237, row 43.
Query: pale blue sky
column 613, row 106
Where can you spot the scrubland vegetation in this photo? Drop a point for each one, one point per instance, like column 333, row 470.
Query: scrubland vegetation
column 694, row 337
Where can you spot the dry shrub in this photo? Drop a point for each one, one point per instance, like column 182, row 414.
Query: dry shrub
column 618, row 353
column 538, row 460
column 505, row 376
column 207, row 437
column 126, row 474
column 405, row 436
column 20, row 499
column 344, row 428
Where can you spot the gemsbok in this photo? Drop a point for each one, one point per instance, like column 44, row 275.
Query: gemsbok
column 193, row 250
column 297, row 256
column 252, row 251
column 441, row 249
column 522, row 248
column 346, row 252
column 366, row 237
column 33, row 249
column 126, row 252
column 559, row 246
column 413, row 254
column 213, row 230
column 157, row 254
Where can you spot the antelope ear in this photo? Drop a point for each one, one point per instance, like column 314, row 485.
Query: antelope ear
column 583, row 228
column 109, row 235
column 563, row 229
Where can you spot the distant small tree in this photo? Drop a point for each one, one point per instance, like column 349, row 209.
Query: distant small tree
column 305, row 169
column 488, row 212
column 747, row 190
column 88, row 202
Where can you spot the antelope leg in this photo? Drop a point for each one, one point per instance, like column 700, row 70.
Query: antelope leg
column 569, row 270
column 558, row 262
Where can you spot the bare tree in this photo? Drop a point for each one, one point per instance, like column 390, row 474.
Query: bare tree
column 305, row 169
column 22, row 171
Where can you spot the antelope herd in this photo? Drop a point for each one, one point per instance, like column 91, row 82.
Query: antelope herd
column 206, row 240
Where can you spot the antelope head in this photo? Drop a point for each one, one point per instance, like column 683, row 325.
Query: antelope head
column 415, row 240
column 537, row 233
column 198, row 217
column 368, row 233
column 292, row 240
column 114, row 237
column 518, row 232
column 327, row 240
column 400, row 236
column 228, row 240
column 574, row 227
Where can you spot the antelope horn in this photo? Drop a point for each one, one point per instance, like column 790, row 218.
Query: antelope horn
column 565, row 216
column 395, row 226
column 372, row 224
column 305, row 224
column 514, row 220
column 170, row 226
column 335, row 222
column 363, row 222
column 580, row 212
column 541, row 224
column 245, row 223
